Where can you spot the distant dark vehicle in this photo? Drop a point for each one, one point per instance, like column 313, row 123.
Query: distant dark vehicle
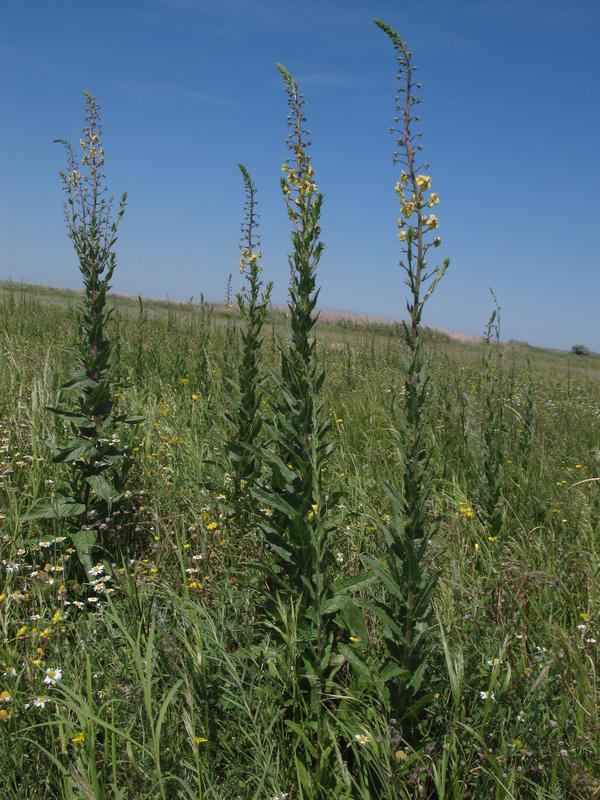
column 580, row 350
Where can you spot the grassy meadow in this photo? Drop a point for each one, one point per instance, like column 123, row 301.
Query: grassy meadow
column 256, row 554
column 171, row 678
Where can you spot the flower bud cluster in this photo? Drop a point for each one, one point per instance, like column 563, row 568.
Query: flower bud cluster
column 414, row 203
column 249, row 259
column 93, row 152
column 298, row 184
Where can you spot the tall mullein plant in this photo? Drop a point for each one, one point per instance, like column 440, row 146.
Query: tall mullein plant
column 253, row 303
column 297, row 526
column 93, row 452
column 404, row 610
column 494, row 433
column 296, row 531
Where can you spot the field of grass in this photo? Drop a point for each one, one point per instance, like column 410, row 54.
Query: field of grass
column 170, row 677
column 260, row 553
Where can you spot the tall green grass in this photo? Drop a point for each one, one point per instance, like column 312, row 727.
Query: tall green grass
column 341, row 560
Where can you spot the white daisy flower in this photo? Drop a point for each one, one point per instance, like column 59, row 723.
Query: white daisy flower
column 53, row 675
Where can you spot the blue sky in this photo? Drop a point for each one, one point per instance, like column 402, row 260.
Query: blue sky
column 189, row 88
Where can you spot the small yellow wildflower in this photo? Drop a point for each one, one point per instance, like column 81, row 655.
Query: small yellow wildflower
column 477, row 547
column 56, row 617
column 403, row 179
column 432, row 221
column 2, row 597
column 434, row 200
column 78, row 739
column 194, row 397
column 5, row 697
column 400, row 755
column 200, row 740
column 403, row 236
column 22, row 631
column 465, row 511
column 355, row 639
column 584, row 616
column 212, row 526
column 423, row 182
column 517, row 744
column 4, row 715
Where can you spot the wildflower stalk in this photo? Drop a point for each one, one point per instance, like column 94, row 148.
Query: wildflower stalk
column 494, row 425
column 93, row 450
column 253, row 303
column 299, row 528
column 405, row 609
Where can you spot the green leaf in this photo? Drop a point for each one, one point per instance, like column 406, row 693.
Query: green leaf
column 75, row 450
column 79, row 381
column 129, row 420
column 84, row 542
column 393, row 670
column 61, row 508
column 353, row 582
column 355, row 661
column 103, row 489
